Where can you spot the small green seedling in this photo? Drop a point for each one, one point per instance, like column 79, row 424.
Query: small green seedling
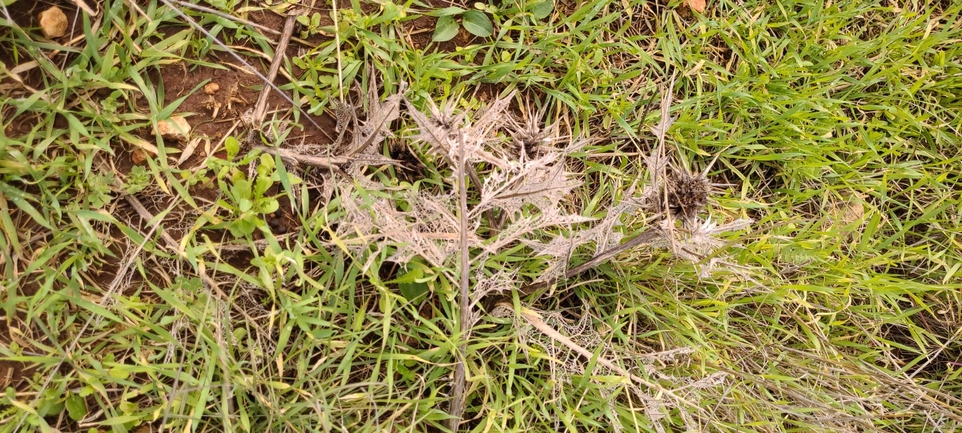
column 138, row 179
column 310, row 24
column 247, row 200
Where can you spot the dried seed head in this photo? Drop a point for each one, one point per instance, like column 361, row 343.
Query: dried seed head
column 527, row 144
column 443, row 121
column 528, row 138
column 687, row 193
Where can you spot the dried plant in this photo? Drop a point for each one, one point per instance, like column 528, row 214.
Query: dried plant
column 521, row 196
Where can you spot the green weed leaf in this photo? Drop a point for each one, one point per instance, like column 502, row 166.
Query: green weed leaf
column 245, row 205
column 413, row 291
column 477, row 23
column 412, row 285
column 119, row 372
column 243, row 227
column 76, row 407
column 446, row 12
column 269, row 205
column 232, row 146
column 542, row 9
column 445, row 30
column 242, row 189
column 137, row 180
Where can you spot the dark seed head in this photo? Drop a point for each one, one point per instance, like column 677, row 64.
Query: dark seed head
column 527, row 146
column 528, row 138
column 687, row 194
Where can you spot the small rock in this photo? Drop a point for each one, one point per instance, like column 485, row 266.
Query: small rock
column 138, row 156
column 844, row 215
column 211, row 88
column 696, row 5
column 53, row 23
column 175, row 128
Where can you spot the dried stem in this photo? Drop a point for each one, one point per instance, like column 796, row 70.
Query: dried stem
column 458, row 396
column 260, row 110
column 645, row 237
column 337, row 45
column 213, row 11
column 297, row 158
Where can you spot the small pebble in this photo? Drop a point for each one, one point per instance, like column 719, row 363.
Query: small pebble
column 138, row 157
column 175, row 128
column 53, row 23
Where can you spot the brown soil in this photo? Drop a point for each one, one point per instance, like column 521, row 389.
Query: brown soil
column 218, row 113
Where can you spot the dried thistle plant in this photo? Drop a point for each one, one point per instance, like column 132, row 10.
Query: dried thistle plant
column 345, row 113
column 528, row 137
column 528, row 189
column 672, row 194
column 522, row 196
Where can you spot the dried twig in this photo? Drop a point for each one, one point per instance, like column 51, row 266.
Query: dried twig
column 261, row 108
column 645, row 237
column 297, row 158
column 460, row 374
column 233, row 18
column 86, row 8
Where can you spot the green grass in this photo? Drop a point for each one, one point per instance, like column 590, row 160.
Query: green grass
column 837, row 310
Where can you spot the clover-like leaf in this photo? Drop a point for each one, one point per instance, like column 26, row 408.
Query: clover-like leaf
column 445, row 29
column 542, row 9
column 477, row 23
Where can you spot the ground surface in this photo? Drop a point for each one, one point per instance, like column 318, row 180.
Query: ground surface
column 303, row 272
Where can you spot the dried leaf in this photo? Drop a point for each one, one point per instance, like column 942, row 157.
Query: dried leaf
column 188, row 151
column 438, row 128
column 493, row 115
column 661, row 130
column 377, row 126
